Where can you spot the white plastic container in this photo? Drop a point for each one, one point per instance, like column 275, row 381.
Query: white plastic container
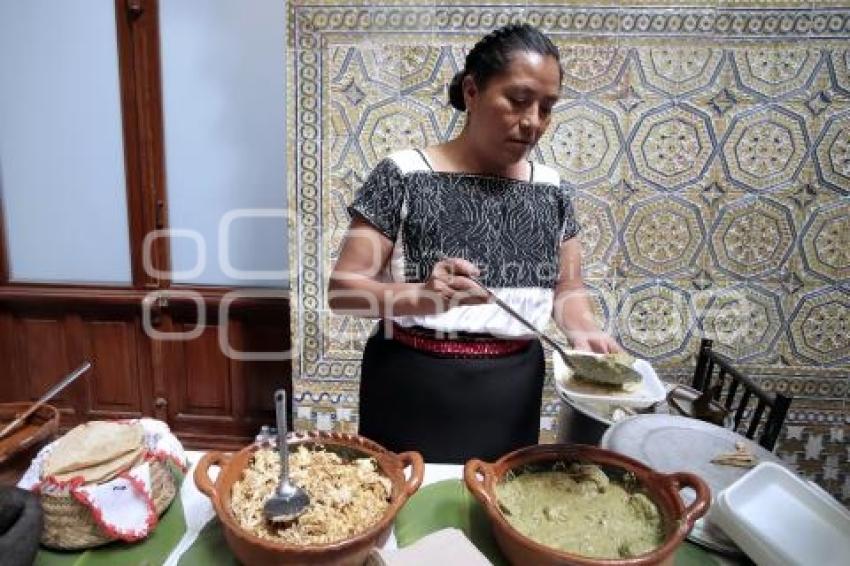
column 651, row 389
column 778, row 519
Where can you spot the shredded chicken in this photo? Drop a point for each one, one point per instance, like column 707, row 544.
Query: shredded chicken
column 346, row 498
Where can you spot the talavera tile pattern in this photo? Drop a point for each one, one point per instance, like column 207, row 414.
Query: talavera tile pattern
column 708, row 148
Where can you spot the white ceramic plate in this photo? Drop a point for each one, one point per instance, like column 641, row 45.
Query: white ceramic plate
column 649, row 391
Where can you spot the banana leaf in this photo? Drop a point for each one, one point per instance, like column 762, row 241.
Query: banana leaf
column 447, row 504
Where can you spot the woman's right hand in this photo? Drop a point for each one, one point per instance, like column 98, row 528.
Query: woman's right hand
column 358, row 288
column 449, row 284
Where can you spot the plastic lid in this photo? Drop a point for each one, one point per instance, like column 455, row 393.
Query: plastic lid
column 778, row 518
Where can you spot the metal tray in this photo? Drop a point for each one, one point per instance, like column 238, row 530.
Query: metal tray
column 668, row 443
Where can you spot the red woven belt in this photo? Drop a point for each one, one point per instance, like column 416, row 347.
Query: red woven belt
column 469, row 348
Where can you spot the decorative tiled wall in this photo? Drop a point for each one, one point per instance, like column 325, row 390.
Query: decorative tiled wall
column 708, row 146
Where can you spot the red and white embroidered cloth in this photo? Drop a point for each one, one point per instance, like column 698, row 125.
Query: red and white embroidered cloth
column 123, row 507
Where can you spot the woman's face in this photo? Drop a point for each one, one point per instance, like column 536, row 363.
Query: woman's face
column 510, row 114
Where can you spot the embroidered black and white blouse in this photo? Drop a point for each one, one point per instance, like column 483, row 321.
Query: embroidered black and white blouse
column 510, row 229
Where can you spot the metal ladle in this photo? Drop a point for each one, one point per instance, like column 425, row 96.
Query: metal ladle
column 289, row 501
column 632, row 373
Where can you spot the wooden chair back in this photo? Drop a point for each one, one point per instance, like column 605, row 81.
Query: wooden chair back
column 736, row 392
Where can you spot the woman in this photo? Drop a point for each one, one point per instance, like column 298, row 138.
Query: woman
column 448, row 373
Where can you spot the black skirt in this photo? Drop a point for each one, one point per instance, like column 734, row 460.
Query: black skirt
column 450, row 409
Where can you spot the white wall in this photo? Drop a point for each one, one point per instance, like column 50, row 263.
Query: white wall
column 61, row 149
column 224, row 105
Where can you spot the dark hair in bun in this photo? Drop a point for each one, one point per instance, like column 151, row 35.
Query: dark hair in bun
column 492, row 54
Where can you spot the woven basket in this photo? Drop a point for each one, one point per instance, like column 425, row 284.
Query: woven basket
column 69, row 525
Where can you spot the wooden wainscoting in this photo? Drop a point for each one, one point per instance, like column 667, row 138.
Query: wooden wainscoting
column 209, row 399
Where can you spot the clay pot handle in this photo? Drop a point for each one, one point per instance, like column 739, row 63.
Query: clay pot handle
column 413, row 459
column 202, row 475
column 471, row 470
column 699, row 506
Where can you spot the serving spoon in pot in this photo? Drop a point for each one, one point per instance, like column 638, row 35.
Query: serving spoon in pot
column 289, row 501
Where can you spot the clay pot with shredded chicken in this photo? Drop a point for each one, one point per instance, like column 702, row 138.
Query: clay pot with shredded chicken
column 345, row 497
column 356, row 488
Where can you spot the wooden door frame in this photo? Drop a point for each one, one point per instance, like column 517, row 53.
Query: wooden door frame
column 137, row 24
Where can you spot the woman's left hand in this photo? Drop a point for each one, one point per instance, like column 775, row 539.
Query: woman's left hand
column 598, row 342
column 572, row 309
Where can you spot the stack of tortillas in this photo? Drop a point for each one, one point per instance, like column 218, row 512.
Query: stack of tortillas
column 97, row 451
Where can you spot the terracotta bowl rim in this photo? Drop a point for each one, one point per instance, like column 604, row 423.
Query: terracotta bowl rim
column 566, row 451
column 53, row 411
column 44, row 422
column 318, row 437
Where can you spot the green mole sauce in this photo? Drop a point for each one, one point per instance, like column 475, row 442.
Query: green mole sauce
column 576, row 508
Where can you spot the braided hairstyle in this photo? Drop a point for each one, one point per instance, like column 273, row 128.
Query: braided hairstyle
column 492, row 54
